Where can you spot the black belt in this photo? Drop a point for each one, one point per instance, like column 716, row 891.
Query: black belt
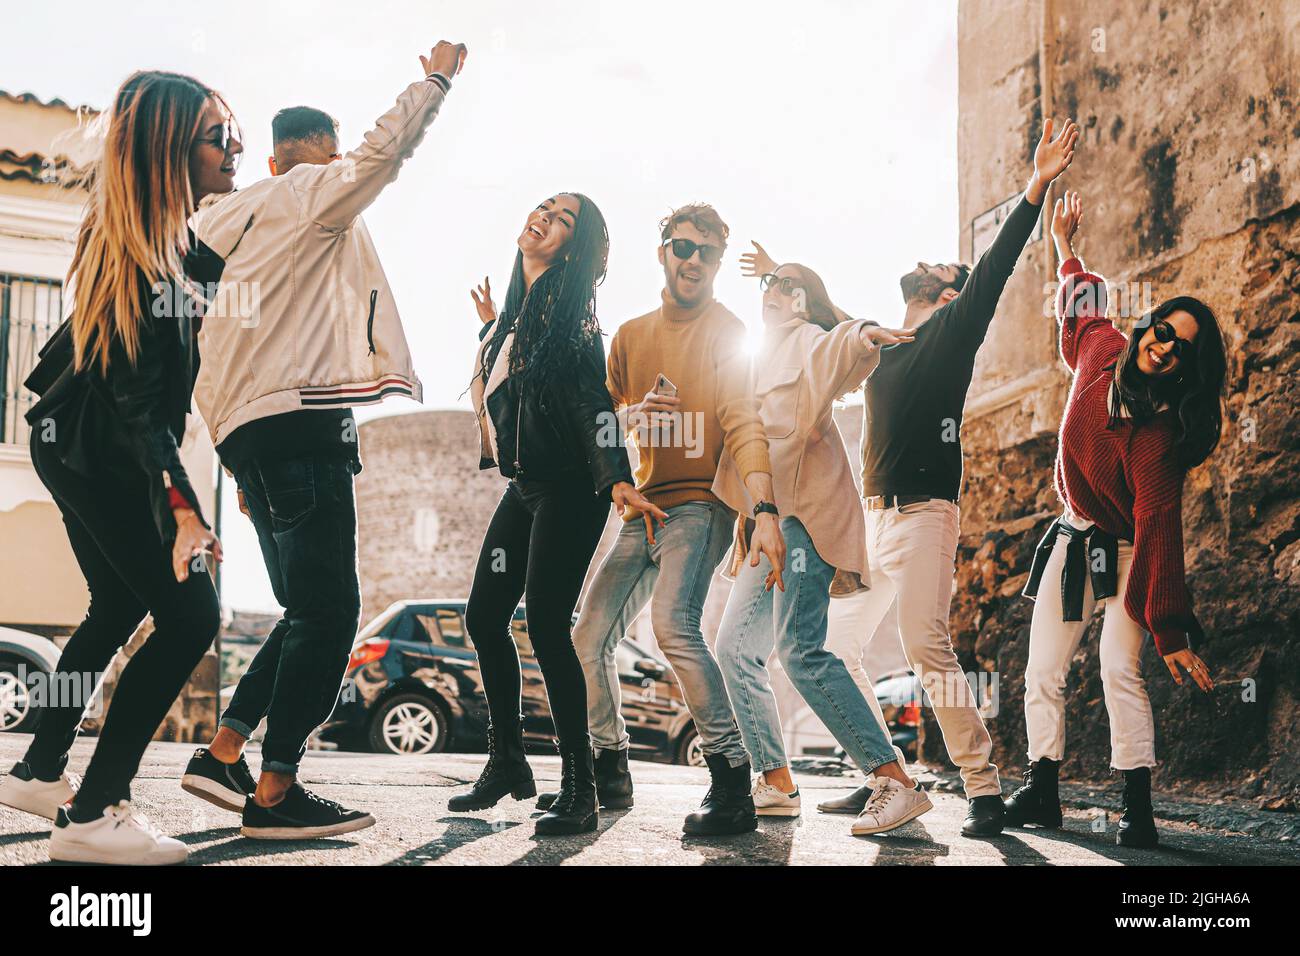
column 884, row 502
column 1079, row 562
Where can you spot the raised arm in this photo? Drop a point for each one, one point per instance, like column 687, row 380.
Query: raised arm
column 336, row 193
column 973, row 309
column 1081, row 297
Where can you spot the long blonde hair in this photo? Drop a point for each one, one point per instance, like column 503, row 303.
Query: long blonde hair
column 136, row 219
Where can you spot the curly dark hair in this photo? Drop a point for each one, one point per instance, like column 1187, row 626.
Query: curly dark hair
column 700, row 215
column 555, row 321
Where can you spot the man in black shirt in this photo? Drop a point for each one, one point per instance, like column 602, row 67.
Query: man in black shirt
column 911, row 479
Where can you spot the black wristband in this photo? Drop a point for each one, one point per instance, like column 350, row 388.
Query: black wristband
column 765, row 507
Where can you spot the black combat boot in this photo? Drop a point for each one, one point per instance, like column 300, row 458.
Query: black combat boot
column 574, row 809
column 1137, row 825
column 984, row 817
column 506, row 771
column 613, row 782
column 1038, row 801
column 728, row 807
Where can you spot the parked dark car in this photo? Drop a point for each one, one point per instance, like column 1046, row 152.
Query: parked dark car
column 413, row 687
column 900, row 700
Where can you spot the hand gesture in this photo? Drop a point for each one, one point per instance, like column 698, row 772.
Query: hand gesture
column 1067, row 213
column 654, row 410
column 192, row 540
column 768, row 541
column 1190, row 662
column 874, row 337
column 626, row 496
column 446, row 58
column 487, row 312
column 758, row 263
column 1053, row 156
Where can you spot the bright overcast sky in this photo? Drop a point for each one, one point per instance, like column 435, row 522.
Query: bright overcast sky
column 826, row 130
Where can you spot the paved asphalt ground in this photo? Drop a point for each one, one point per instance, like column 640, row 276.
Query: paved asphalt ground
column 408, row 796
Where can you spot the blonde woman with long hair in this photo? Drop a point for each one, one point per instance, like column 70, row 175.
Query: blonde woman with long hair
column 115, row 384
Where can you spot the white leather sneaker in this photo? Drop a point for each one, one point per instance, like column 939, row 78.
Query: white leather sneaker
column 890, row 806
column 22, row 791
column 770, row 801
column 120, row 836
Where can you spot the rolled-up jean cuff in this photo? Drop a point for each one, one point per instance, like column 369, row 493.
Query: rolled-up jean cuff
column 769, row 765
column 892, row 758
column 238, row 726
column 278, row 766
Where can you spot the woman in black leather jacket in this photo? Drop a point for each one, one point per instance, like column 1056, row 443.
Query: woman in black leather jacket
column 547, row 422
column 115, row 384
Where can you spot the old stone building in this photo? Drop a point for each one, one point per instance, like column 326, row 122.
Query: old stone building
column 1188, row 168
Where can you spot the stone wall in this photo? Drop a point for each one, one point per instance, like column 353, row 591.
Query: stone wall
column 1188, row 170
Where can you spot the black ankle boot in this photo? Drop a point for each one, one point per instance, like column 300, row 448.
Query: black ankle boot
column 613, row 782
column 574, row 810
column 1038, row 801
column 1137, row 825
column 506, row 771
column 728, row 807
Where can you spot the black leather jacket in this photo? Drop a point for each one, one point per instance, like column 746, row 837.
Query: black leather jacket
column 560, row 434
column 131, row 421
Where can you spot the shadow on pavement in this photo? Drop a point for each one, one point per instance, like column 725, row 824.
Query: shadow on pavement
column 770, row 845
column 244, row 848
column 910, row 845
column 460, row 832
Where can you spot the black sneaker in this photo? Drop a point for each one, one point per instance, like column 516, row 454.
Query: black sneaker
column 228, row 785
column 301, row 815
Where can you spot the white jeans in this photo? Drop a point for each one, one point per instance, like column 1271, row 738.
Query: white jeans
column 913, row 550
column 1052, row 645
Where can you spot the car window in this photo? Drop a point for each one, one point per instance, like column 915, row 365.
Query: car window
column 444, row 627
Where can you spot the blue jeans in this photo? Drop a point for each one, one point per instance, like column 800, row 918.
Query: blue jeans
column 672, row 576
column 306, row 520
column 793, row 622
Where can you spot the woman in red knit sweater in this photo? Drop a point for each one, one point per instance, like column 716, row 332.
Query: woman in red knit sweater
column 1143, row 410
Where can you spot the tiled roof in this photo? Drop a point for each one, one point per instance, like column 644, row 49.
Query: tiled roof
column 33, row 98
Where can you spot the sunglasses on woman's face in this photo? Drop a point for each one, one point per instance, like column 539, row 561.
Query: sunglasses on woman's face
column 783, row 284
column 222, row 140
column 684, row 248
column 1164, row 332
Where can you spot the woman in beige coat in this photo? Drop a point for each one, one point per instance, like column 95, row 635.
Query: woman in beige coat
column 809, row 358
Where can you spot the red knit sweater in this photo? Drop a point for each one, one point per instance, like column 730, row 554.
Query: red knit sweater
column 1125, row 479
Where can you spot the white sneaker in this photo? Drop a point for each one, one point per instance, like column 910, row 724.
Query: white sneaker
column 20, row 790
column 770, row 801
column 120, row 836
column 891, row 805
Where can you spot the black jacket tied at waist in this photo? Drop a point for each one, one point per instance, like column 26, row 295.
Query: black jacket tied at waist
column 1078, row 564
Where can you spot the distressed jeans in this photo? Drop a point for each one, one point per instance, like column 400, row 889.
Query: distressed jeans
column 793, row 622
column 673, row 577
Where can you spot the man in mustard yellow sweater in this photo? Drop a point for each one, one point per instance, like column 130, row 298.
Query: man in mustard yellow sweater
column 680, row 378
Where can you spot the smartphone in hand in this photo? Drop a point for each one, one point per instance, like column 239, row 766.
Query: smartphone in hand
column 664, row 387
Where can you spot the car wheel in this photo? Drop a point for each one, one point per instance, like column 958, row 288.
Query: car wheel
column 409, row 724
column 689, row 750
column 18, row 711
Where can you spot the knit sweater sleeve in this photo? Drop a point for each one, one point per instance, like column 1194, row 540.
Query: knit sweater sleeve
column 1080, row 310
column 1157, row 596
column 737, row 405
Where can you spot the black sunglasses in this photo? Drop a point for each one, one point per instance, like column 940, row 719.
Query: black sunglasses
column 1164, row 332
column 784, row 284
column 685, row 248
column 222, row 142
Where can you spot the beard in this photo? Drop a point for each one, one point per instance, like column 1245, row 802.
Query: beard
column 702, row 291
column 923, row 286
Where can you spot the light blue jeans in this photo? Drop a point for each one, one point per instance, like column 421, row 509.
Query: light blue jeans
column 793, row 622
column 673, row 577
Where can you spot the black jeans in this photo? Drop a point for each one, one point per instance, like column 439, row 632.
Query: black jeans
column 128, row 570
column 305, row 515
column 538, row 546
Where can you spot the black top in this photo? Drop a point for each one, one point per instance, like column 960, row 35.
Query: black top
column 568, row 433
column 297, row 434
column 911, row 441
column 132, row 418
